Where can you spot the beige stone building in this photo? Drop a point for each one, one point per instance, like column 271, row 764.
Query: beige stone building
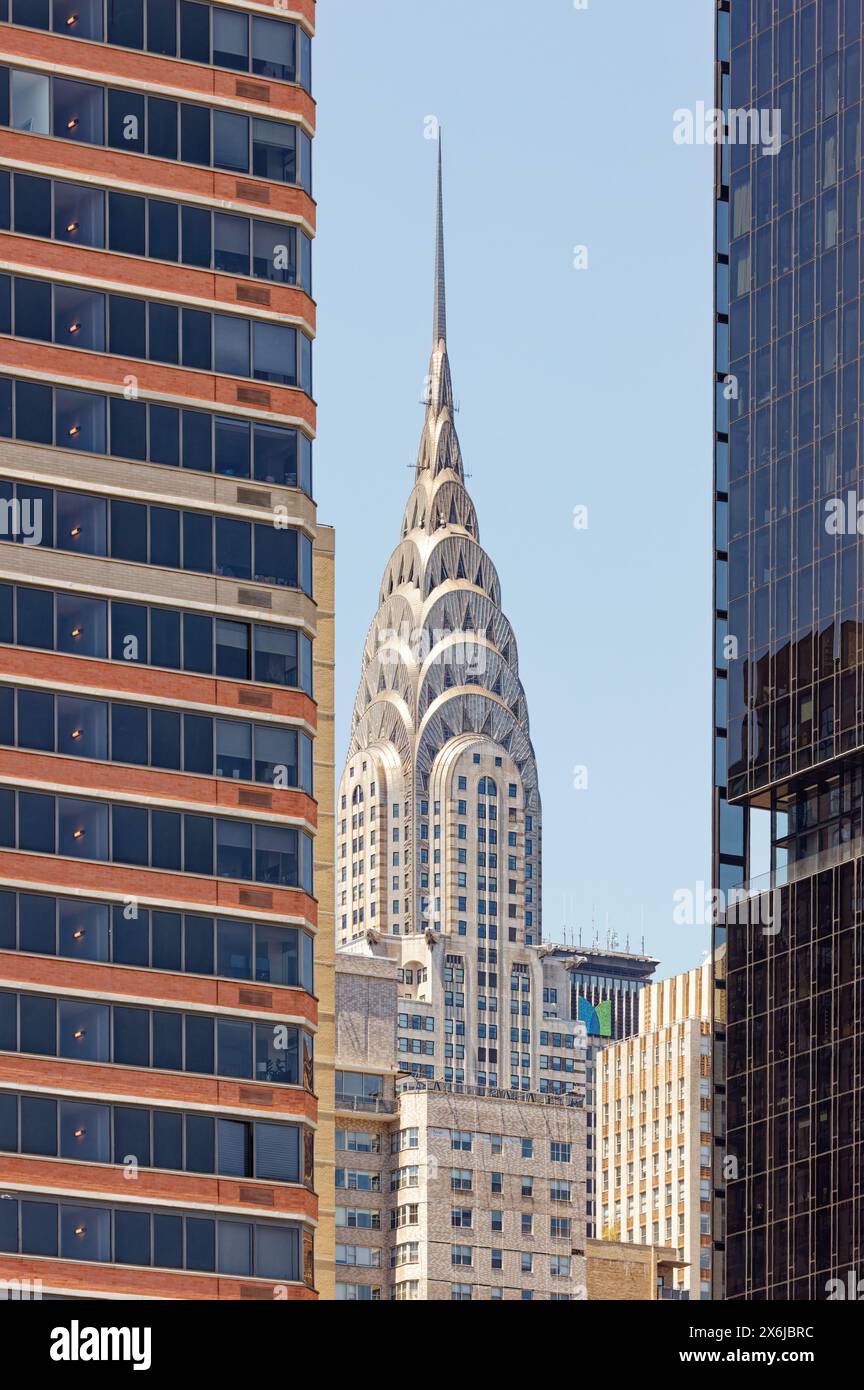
column 446, row 1193
column 655, row 1128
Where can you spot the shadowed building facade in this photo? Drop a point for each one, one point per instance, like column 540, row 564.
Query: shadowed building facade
column 789, row 714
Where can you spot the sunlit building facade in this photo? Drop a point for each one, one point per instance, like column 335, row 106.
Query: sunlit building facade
column 438, row 810
column 165, row 655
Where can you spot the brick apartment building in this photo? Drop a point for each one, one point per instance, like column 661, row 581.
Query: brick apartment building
column 165, row 657
column 447, row 1192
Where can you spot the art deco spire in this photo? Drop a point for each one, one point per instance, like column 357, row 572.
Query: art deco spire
column 439, row 322
column 439, row 446
column 440, row 662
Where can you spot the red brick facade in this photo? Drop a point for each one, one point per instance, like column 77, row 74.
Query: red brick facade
column 32, row 1075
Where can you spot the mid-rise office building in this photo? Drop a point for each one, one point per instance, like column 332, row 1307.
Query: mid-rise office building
column 603, row 987
column 446, row 1192
column 165, row 656
column 788, row 720
column 654, row 1098
column 599, row 989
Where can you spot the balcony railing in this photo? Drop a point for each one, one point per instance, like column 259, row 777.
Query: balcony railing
column 673, row 1295
column 369, row 1105
column 456, row 1088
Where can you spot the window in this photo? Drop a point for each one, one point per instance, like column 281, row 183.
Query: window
column 115, row 1234
column 358, row 1218
column 526, row 1262
column 559, row 1152
column 358, row 1141
column 461, row 1180
column 166, row 1040
column 150, row 227
column 405, row 1253
column 280, row 50
column 72, row 110
column 460, row 1293
column 358, row 1180
column 30, row 103
column 155, row 636
column 109, row 832
column 404, row 1139
column 357, row 1293
column 404, row 1215
column 461, row 1217
column 404, row 1177
column 363, row 1089
column 360, row 1256
column 80, row 930
column 406, row 1289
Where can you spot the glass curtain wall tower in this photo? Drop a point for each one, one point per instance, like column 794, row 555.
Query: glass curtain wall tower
column 789, row 655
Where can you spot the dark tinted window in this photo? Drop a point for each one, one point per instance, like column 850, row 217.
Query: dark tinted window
column 167, row 1139
column 32, row 205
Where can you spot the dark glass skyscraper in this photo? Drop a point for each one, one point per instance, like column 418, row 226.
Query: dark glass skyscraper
column 789, row 648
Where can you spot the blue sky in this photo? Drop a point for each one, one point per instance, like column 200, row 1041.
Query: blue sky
column 583, row 387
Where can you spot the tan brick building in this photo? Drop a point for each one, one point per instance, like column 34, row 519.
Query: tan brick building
column 442, row 1193
column 624, row 1273
column 654, row 1103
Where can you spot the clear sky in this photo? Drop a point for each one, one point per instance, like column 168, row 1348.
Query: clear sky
column 587, row 387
